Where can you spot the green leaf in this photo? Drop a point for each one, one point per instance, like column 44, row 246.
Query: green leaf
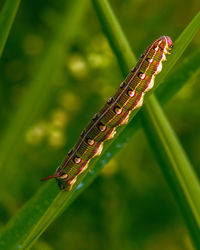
column 7, row 17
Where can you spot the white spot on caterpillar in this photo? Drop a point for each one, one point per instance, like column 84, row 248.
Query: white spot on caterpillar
column 156, row 48
column 150, row 60
column 110, row 135
column 102, row 127
column 163, row 58
column 150, row 85
column 90, row 142
column 140, row 101
column 117, row 110
column 141, row 76
column 77, row 160
column 71, row 182
column 109, row 100
column 64, row 176
column 125, row 120
column 122, row 84
column 131, row 93
column 94, row 117
column 159, row 68
column 83, row 168
column 99, row 150
column 166, row 51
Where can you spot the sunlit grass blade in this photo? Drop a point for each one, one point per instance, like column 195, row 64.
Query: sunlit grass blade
column 7, row 16
column 175, row 165
column 54, row 201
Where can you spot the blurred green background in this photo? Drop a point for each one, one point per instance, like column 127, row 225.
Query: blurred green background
column 57, row 70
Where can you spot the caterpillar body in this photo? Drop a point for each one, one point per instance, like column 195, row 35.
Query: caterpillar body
column 114, row 113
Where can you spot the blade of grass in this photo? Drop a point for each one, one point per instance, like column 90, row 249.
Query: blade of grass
column 186, row 198
column 46, row 214
column 40, row 89
column 176, row 80
column 113, row 31
column 175, row 165
column 7, row 17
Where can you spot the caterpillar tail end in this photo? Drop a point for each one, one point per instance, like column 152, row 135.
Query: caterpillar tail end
column 63, row 185
column 49, row 177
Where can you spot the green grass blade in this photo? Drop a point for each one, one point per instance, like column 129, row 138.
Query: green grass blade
column 181, row 44
column 192, row 219
column 18, row 229
column 177, row 79
column 40, row 88
column 187, row 196
column 185, row 201
column 7, row 16
column 115, row 35
column 175, row 166
column 56, row 202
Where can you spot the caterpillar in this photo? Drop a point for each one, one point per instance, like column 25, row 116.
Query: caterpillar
column 114, row 113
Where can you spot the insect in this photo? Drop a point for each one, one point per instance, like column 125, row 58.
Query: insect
column 114, row 113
